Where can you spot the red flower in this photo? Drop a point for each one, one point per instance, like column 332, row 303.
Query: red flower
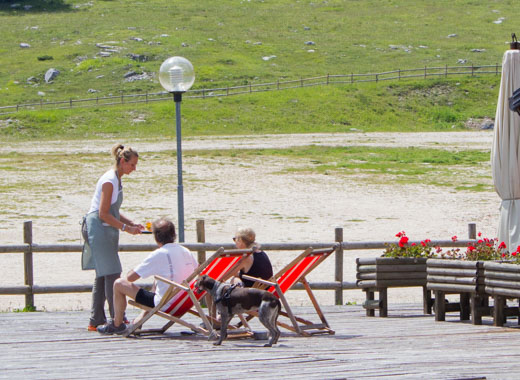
column 502, row 245
column 471, row 248
column 403, row 241
column 423, row 243
column 503, row 255
column 514, row 253
column 479, row 234
column 413, row 244
column 454, row 238
column 399, row 234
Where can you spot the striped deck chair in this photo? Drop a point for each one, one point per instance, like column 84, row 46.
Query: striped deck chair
column 285, row 279
column 184, row 298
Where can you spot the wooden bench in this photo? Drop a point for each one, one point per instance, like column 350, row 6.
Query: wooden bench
column 376, row 275
column 463, row 278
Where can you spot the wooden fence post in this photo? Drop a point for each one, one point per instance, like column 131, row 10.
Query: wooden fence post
column 472, row 230
column 28, row 264
column 201, row 255
column 338, row 232
column 201, row 238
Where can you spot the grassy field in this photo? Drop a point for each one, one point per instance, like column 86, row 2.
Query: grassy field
column 226, row 41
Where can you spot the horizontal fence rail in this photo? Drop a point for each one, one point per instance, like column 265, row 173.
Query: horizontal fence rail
column 424, row 72
column 29, row 289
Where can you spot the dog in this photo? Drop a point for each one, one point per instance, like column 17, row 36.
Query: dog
column 231, row 300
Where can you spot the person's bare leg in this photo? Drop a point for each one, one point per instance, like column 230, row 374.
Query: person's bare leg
column 122, row 289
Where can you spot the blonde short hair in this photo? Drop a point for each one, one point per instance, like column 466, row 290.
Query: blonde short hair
column 247, row 235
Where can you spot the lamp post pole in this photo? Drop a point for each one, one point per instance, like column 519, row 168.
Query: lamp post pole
column 177, row 97
column 177, row 76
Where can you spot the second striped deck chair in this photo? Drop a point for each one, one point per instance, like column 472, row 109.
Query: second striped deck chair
column 285, row 279
column 184, row 298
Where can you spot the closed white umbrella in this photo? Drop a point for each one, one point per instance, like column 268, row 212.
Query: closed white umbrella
column 505, row 153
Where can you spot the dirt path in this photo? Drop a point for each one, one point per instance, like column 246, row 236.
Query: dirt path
column 227, row 194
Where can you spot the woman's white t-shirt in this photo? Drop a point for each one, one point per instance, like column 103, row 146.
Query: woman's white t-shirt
column 109, row 176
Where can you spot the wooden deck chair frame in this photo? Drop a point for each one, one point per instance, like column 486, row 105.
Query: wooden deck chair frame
column 187, row 298
column 285, row 279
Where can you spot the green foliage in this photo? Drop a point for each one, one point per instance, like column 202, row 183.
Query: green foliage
column 483, row 249
column 406, row 249
column 226, row 41
column 26, row 309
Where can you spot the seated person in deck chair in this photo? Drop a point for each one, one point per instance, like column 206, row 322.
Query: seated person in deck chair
column 257, row 265
column 170, row 260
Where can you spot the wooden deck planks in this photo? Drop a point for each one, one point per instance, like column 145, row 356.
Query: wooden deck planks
column 407, row 344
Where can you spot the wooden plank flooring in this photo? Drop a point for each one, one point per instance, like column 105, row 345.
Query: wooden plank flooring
column 407, row 344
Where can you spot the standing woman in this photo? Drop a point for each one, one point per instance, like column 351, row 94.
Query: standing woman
column 104, row 222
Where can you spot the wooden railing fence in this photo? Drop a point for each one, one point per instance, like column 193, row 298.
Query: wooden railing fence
column 423, row 72
column 29, row 289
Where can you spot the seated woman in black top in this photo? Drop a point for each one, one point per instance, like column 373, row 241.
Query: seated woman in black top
column 256, row 265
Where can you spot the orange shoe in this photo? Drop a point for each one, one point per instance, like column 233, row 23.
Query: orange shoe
column 91, row 328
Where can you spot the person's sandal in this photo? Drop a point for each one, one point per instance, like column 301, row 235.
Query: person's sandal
column 91, row 328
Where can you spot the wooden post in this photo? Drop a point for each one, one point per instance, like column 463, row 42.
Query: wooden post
column 465, row 307
column 499, row 317
column 338, row 232
column 472, row 230
column 201, row 257
column 383, row 299
column 440, row 306
column 201, row 238
column 28, row 264
column 369, row 297
column 427, row 301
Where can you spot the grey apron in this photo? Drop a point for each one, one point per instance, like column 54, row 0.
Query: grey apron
column 100, row 251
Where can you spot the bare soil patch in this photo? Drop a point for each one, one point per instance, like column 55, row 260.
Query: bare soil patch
column 228, row 193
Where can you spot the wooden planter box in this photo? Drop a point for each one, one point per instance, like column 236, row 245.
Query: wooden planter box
column 466, row 278
column 380, row 273
column 502, row 281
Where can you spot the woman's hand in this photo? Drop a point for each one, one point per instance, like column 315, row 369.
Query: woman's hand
column 140, row 226
column 133, row 230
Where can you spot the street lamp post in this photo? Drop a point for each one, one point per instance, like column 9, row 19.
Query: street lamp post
column 177, row 76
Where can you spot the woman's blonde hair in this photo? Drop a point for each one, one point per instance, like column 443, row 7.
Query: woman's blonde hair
column 119, row 151
column 247, row 235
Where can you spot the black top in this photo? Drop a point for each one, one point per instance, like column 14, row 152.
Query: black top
column 261, row 268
